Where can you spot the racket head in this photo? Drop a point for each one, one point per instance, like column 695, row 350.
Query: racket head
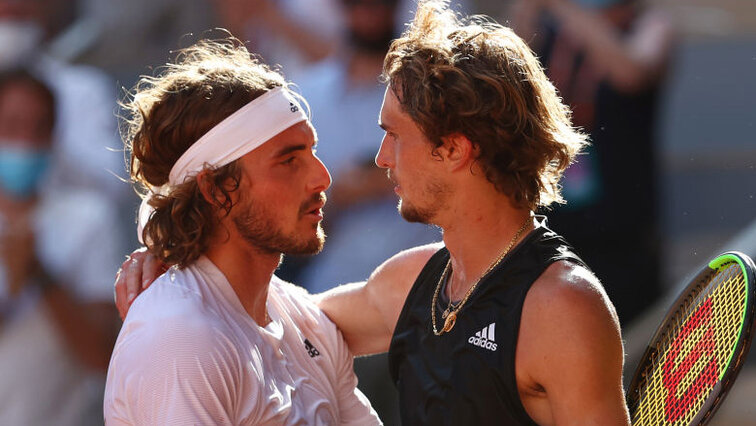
column 698, row 349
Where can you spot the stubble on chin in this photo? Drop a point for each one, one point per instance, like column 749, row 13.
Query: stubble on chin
column 260, row 231
column 437, row 194
column 413, row 214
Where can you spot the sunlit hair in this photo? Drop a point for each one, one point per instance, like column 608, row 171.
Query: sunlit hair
column 164, row 115
column 474, row 77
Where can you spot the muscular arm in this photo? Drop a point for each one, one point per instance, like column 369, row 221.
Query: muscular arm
column 367, row 312
column 570, row 349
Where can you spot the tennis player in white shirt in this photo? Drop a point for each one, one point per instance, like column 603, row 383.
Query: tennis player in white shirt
column 226, row 154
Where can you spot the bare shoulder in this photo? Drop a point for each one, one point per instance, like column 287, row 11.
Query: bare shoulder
column 567, row 289
column 568, row 317
column 402, row 269
column 570, row 339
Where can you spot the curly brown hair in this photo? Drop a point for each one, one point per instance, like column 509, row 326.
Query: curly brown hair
column 164, row 116
column 474, row 77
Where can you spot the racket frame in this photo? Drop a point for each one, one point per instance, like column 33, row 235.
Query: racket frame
column 739, row 353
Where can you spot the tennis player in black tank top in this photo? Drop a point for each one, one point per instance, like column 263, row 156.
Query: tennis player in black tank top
column 503, row 324
column 477, row 357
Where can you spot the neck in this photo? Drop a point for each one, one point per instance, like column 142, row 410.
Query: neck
column 249, row 271
column 476, row 234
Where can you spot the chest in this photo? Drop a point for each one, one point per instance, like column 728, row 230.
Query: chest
column 480, row 347
column 473, row 364
column 287, row 380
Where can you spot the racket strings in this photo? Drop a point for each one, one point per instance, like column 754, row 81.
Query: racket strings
column 691, row 354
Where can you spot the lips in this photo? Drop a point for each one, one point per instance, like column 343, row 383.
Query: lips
column 317, row 212
column 314, row 206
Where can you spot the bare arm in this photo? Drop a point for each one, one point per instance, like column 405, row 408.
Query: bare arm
column 570, row 348
column 367, row 312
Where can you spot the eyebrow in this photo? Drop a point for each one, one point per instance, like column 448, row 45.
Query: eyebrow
column 289, row 149
column 383, row 125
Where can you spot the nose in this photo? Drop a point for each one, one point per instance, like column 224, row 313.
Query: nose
column 383, row 158
column 321, row 177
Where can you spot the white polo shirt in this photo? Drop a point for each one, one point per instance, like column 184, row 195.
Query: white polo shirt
column 188, row 353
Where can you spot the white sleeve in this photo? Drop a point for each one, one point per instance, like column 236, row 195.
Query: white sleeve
column 173, row 372
column 354, row 407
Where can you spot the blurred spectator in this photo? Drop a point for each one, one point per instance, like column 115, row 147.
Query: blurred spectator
column 298, row 33
column 124, row 37
column 292, row 33
column 85, row 101
column 58, row 253
column 608, row 59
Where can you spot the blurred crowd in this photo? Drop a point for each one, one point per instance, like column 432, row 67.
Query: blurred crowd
column 67, row 214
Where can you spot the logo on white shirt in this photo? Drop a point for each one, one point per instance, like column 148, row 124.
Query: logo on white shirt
column 485, row 338
column 311, row 350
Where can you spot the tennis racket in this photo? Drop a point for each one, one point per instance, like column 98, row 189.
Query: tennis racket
column 697, row 351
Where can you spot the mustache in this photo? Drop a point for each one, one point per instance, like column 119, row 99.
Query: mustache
column 316, row 201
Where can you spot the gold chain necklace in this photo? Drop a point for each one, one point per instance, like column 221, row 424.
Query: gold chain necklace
column 450, row 313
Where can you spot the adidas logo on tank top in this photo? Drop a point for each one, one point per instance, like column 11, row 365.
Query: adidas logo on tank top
column 484, row 338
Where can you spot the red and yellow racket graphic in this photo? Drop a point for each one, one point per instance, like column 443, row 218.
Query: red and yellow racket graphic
column 698, row 349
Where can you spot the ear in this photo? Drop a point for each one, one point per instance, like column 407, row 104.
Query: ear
column 206, row 187
column 457, row 150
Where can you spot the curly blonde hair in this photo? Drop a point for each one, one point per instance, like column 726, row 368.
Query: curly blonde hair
column 474, row 77
column 164, row 115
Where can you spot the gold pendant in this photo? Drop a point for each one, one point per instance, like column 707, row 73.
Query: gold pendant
column 449, row 323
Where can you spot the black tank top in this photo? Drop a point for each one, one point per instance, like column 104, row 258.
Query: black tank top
column 467, row 376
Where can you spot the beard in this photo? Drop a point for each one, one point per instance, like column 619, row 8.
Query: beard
column 438, row 195
column 414, row 214
column 257, row 226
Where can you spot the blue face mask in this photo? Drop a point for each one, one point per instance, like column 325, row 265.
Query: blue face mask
column 21, row 169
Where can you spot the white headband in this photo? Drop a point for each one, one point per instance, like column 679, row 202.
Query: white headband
column 237, row 135
column 241, row 132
